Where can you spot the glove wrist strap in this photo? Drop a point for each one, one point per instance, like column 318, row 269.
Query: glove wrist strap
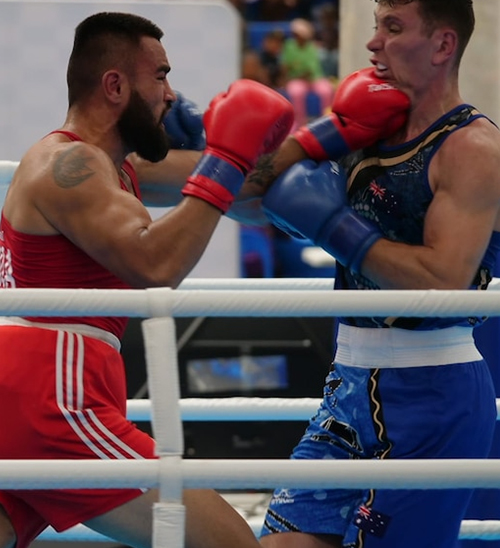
column 349, row 239
column 215, row 180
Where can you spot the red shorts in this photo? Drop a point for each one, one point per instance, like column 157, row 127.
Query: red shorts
column 65, row 396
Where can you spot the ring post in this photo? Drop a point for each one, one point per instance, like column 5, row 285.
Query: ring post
column 163, row 382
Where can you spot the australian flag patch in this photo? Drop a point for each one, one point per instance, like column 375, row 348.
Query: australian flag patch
column 372, row 522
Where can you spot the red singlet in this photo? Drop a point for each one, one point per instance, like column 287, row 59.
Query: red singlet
column 63, row 390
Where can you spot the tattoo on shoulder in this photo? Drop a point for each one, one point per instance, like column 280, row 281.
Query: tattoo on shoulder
column 71, row 167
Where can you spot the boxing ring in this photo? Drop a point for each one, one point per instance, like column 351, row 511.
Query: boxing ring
column 170, row 473
column 166, row 410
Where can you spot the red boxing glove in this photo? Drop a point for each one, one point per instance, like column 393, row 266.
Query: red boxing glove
column 365, row 110
column 241, row 124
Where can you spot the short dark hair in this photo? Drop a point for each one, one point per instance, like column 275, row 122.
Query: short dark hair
column 102, row 41
column 275, row 34
column 458, row 14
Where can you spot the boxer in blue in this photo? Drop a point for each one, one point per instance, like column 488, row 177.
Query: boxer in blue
column 419, row 210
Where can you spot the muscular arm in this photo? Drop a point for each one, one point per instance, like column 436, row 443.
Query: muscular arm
column 78, row 195
column 161, row 183
column 73, row 189
column 270, row 166
column 465, row 177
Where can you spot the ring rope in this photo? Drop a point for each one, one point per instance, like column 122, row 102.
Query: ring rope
column 469, row 530
column 232, row 409
column 274, row 283
column 36, row 474
column 312, row 284
column 426, row 474
column 238, row 408
column 163, row 301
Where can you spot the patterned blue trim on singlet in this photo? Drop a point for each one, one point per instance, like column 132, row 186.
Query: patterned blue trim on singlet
column 390, row 186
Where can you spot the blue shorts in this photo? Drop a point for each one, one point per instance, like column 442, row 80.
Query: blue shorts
column 445, row 411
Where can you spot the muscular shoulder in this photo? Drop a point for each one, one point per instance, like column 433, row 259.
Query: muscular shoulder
column 46, row 173
column 470, row 154
column 55, row 160
column 480, row 137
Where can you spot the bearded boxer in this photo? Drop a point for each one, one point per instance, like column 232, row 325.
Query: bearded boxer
column 73, row 218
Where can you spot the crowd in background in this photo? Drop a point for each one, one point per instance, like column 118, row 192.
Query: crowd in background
column 279, row 10
column 294, row 50
column 293, row 47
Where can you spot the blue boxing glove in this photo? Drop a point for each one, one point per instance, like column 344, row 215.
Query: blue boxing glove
column 310, row 199
column 184, row 125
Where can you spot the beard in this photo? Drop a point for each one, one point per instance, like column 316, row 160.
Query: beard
column 140, row 132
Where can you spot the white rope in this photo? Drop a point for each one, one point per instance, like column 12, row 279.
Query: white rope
column 420, row 474
column 429, row 474
column 258, row 283
column 254, row 474
column 480, row 529
column 232, row 409
column 238, row 409
column 362, row 474
column 159, row 302
column 469, row 530
column 324, row 284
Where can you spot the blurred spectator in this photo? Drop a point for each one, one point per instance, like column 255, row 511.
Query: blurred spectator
column 270, row 10
column 328, row 40
column 301, row 62
column 270, row 57
column 264, row 65
column 278, row 10
column 252, row 68
column 317, row 7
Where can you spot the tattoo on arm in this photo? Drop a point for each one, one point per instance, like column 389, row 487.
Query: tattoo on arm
column 71, row 167
column 263, row 174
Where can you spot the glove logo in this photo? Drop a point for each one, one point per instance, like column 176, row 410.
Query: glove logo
column 380, row 87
